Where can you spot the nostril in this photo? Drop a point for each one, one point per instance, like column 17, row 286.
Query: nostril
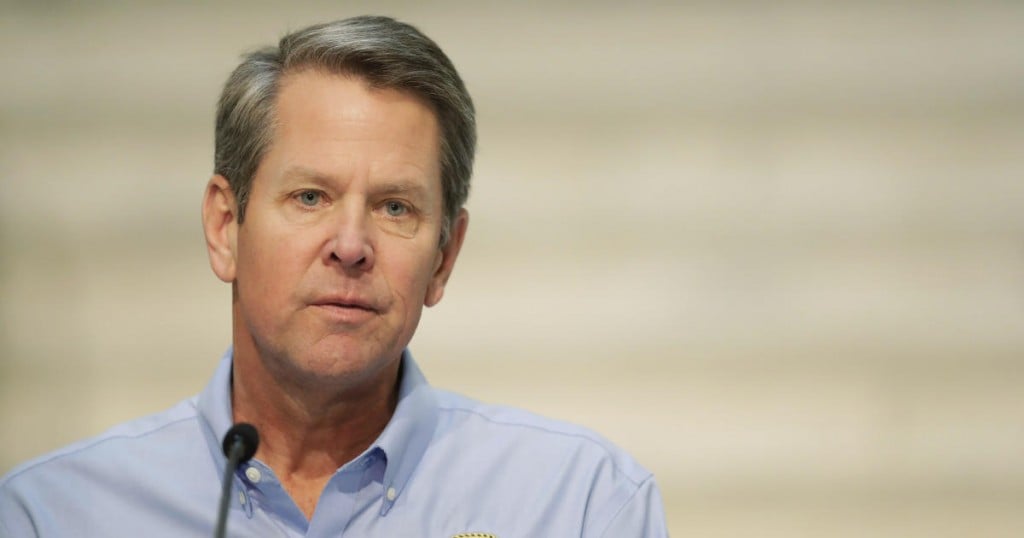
column 349, row 252
column 360, row 262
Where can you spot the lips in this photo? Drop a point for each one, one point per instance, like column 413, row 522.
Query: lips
column 346, row 303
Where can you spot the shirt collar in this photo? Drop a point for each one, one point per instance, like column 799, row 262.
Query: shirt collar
column 404, row 440
column 214, row 406
column 406, row 437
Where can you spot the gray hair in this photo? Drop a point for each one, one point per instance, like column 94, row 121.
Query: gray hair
column 380, row 50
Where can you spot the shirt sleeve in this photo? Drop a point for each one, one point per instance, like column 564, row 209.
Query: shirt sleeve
column 642, row 516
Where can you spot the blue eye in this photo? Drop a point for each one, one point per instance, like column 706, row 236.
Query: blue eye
column 309, row 198
column 395, row 209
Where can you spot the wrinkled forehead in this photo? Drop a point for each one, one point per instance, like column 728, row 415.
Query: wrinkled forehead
column 338, row 125
column 395, row 94
column 295, row 74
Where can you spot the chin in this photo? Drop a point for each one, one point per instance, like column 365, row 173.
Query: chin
column 341, row 365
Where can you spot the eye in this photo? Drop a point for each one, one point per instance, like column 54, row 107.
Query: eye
column 309, row 198
column 395, row 208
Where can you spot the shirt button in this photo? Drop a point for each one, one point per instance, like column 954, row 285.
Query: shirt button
column 253, row 474
column 241, row 498
column 392, row 494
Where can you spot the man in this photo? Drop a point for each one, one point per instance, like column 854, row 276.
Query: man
column 342, row 163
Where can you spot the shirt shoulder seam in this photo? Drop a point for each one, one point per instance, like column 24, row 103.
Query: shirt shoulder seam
column 587, row 438
column 87, row 445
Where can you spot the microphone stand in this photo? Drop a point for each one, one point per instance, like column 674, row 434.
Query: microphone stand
column 239, row 445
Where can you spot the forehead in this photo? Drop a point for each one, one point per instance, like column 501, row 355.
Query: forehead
column 314, row 95
column 341, row 118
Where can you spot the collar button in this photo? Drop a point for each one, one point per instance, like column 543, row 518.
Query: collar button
column 253, row 474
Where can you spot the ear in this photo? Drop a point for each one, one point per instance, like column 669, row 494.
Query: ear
column 446, row 259
column 220, row 225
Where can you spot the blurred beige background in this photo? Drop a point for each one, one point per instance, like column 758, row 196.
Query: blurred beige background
column 773, row 249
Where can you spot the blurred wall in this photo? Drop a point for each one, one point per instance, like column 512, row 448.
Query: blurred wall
column 773, row 249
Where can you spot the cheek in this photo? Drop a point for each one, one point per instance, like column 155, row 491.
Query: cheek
column 411, row 277
column 270, row 266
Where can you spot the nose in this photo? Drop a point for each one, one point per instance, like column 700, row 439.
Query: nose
column 351, row 245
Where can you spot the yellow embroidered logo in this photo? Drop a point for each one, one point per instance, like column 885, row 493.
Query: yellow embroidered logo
column 475, row 535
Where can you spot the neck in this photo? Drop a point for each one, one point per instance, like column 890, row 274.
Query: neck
column 308, row 432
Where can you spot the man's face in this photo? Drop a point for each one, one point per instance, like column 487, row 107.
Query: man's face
column 338, row 251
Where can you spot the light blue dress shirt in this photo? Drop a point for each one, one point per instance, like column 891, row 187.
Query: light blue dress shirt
column 445, row 466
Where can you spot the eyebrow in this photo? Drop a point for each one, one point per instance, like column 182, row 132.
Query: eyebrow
column 302, row 172
column 395, row 186
column 401, row 187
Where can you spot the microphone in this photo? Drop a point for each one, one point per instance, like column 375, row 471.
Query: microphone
column 239, row 446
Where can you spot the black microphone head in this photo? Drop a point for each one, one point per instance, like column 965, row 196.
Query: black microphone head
column 244, row 433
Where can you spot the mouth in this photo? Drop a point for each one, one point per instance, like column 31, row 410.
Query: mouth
column 343, row 305
column 345, row 313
